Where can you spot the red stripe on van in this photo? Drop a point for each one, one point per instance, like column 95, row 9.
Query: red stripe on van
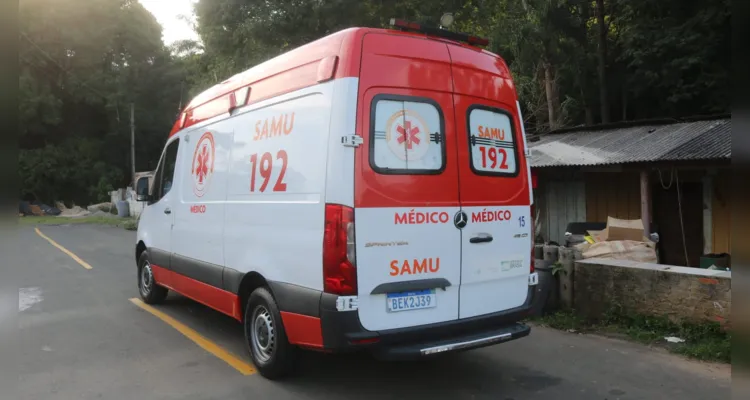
column 161, row 275
column 303, row 330
column 220, row 300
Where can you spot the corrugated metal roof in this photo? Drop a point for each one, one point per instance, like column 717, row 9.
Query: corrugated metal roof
column 695, row 140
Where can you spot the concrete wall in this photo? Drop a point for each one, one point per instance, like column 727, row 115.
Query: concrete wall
column 135, row 207
column 679, row 293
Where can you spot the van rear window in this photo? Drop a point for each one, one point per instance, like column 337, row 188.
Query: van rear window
column 492, row 142
column 406, row 136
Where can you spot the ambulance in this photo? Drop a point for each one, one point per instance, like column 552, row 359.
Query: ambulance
column 367, row 191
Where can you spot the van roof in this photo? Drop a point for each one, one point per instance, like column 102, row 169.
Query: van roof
column 331, row 57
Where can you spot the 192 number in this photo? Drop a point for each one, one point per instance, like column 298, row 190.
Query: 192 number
column 492, row 153
column 265, row 170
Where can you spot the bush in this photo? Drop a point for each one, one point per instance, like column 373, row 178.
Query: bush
column 131, row 225
column 71, row 171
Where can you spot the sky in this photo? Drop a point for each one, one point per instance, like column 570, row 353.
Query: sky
column 168, row 12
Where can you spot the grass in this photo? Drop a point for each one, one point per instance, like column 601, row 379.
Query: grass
column 127, row 223
column 706, row 341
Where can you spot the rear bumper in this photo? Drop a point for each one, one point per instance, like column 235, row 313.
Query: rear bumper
column 342, row 331
column 459, row 343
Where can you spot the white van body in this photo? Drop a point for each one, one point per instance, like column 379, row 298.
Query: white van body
column 299, row 188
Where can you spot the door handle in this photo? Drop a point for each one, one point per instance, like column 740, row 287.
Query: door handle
column 409, row 286
column 167, row 211
column 481, row 238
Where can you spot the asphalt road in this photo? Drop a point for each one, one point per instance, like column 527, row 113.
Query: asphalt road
column 82, row 338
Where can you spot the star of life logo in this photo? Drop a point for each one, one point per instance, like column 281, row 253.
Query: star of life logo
column 202, row 168
column 407, row 135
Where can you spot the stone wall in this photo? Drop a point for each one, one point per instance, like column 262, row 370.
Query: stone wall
column 680, row 293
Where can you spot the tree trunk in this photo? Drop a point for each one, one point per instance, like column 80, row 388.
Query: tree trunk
column 589, row 113
column 602, row 53
column 582, row 36
column 550, row 90
column 624, row 103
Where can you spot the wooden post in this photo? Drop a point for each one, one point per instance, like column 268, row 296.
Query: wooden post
column 567, row 259
column 132, row 144
column 551, row 254
column 645, row 203
column 708, row 214
column 539, row 252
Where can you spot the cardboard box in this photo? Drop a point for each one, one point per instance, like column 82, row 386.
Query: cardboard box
column 597, row 236
column 624, row 229
column 620, row 229
column 622, row 250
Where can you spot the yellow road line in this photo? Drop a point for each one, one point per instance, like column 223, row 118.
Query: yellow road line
column 84, row 264
column 243, row 367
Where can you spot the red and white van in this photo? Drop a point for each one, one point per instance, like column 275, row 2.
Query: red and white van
column 369, row 190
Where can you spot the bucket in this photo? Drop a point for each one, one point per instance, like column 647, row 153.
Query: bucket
column 547, row 291
column 123, row 209
column 722, row 261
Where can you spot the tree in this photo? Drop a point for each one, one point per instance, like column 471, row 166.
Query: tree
column 676, row 55
column 566, row 56
column 82, row 64
column 602, row 56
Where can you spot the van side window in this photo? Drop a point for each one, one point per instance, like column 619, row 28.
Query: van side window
column 492, row 142
column 165, row 173
column 406, row 135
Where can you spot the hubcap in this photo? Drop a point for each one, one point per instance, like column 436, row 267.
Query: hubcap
column 262, row 335
column 147, row 279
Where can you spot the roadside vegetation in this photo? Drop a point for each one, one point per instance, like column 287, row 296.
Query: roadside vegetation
column 127, row 223
column 706, row 341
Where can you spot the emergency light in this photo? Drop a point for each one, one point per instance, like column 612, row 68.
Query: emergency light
column 446, row 20
column 443, row 33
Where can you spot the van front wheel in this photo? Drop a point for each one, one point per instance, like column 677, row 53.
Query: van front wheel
column 150, row 291
column 265, row 336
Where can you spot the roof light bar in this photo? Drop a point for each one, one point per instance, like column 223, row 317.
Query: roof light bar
column 443, row 33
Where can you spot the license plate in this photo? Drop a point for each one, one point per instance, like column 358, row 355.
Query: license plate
column 407, row 301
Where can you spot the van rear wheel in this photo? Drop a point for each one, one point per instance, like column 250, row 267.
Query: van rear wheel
column 265, row 336
column 150, row 291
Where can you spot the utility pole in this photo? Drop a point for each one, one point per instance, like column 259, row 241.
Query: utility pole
column 132, row 143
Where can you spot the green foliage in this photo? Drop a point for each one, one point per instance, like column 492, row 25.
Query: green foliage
column 556, row 268
column 665, row 59
column 131, row 225
column 82, row 65
column 676, row 53
column 71, row 170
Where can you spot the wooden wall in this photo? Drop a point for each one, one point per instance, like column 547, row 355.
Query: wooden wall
column 567, row 196
column 565, row 203
column 559, row 199
column 721, row 217
column 613, row 194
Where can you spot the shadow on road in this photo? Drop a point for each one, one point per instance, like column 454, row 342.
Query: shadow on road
column 344, row 375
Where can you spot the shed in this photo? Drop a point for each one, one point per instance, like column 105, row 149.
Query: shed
column 671, row 172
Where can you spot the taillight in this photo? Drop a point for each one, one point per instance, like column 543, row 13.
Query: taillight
column 339, row 256
column 533, row 226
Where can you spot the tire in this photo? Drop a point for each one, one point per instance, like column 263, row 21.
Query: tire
column 271, row 352
column 150, row 291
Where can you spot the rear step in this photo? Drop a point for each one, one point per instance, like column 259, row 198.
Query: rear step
column 460, row 343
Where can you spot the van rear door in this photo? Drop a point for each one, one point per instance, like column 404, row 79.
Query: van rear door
column 494, row 185
column 406, row 185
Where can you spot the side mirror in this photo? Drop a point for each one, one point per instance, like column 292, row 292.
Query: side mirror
column 141, row 189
